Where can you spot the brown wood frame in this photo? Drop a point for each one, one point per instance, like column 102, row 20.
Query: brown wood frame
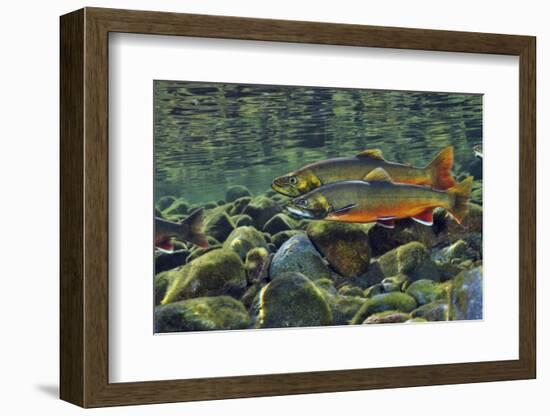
column 84, row 207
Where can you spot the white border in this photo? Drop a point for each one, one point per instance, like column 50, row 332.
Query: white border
column 136, row 355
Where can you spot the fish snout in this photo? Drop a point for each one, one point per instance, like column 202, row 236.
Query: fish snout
column 281, row 186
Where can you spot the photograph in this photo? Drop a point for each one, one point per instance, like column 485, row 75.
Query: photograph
column 279, row 206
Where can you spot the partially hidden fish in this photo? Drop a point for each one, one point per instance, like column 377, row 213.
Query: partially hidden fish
column 188, row 229
column 380, row 199
column 437, row 174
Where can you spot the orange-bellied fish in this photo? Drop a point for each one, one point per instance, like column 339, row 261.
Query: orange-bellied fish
column 380, row 199
column 188, row 229
column 437, row 174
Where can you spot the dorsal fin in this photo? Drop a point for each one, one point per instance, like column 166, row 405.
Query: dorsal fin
column 378, row 175
column 372, row 153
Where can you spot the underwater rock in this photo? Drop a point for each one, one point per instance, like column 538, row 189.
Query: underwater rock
column 199, row 251
column 235, row 192
column 243, row 239
column 216, row 272
column 162, row 281
column 278, row 223
column 257, row 264
column 466, row 297
column 374, row 290
column 460, row 250
column 165, row 202
column 297, row 254
column 280, row 238
column 471, row 223
column 415, row 320
column 292, row 300
column 344, row 245
column 241, row 220
column 178, row 208
column 384, row 302
column 433, row 311
column 167, row 261
column 158, row 213
column 327, row 286
column 201, row 314
column 239, row 205
column 251, row 293
column 426, row 291
column 261, row 209
column 387, row 317
column 211, row 205
column 219, row 226
column 412, row 260
column 477, row 193
column 394, row 283
column 344, row 308
column 349, row 290
column 220, row 202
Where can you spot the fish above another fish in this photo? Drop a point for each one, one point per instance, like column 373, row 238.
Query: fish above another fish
column 437, row 174
column 188, row 229
column 380, row 199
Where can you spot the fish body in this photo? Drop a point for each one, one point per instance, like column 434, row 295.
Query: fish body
column 437, row 174
column 379, row 199
column 188, row 229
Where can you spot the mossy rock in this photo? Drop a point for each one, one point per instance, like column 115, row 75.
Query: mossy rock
column 394, row 283
column 345, row 246
column 384, row 302
column 217, row 272
column 459, row 250
column 297, row 254
column 199, row 251
column 415, row 320
column 165, row 202
column 433, row 311
column 412, row 260
column 477, row 193
column 292, row 300
column 211, row 205
column 163, row 281
column 178, row 208
column 235, row 192
column 201, row 314
column 376, row 289
column 280, row 238
column 158, row 213
column 166, row 261
column 261, row 209
column 243, row 239
column 387, row 317
column 257, row 264
column 327, row 285
column 221, row 202
column 219, row 226
column 242, row 220
column 350, row 290
column 278, row 223
column 239, row 205
column 466, row 296
column 425, row 291
column 471, row 223
column 251, row 294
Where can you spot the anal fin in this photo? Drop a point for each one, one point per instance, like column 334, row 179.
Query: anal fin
column 426, row 217
column 386, row 223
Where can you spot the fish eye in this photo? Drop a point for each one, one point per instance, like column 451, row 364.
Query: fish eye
column 292, row 180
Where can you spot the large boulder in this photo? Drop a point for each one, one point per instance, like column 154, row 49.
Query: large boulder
column 297, row 254
column 201, row 314
column 466, row 297
column 412, row 260
column 292, row 300
column 235, row 192
column 279, row 239
column 261, row 209
column 394, row 301
column 217, row 272
column 345, row 246
column 243, row 239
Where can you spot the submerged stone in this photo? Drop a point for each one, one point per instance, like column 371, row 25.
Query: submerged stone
column 243, row 239
column 384, row 302
column 235, row 192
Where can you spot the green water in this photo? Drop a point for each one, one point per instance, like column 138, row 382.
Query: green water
column 209, row 136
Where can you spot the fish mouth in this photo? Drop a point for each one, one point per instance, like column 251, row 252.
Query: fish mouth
column 283, row 189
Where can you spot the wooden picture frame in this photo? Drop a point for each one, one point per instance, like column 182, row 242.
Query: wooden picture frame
column 84, row 207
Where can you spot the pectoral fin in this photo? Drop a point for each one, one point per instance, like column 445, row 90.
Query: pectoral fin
column 372, row 154
column 343, row 210
column 425, row 217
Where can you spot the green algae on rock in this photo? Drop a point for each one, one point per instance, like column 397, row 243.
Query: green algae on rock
column 387, row 317
column 201, row 314
column 466, row 297
column 219, row 225
column 214, row 273
column 261, row 209
column 426, row 291
column 256, row 264
column 278, row 223
column 384, row 302
column 344, row 245
column 235, row 192
column 243, row 239
column 292, row 300
column 433, row 311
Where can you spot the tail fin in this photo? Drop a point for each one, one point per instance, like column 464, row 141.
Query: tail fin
column 195, row 222
column 461, row 194
column 439, row 169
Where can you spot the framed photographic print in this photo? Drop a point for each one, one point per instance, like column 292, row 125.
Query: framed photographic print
column 243, row 199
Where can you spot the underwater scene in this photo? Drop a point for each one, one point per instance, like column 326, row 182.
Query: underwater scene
column 294, row 206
